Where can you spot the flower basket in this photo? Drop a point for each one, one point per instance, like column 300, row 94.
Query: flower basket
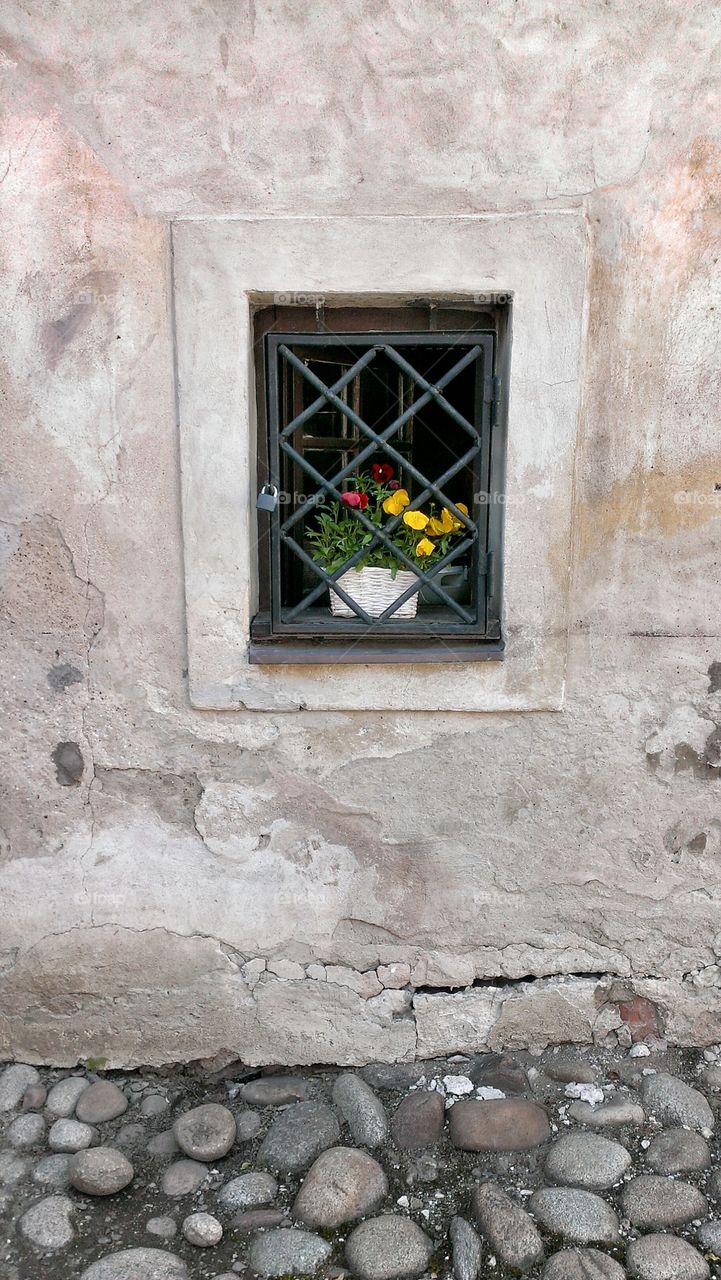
column 374, row 590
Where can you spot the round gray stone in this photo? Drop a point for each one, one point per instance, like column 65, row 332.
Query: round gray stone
column 70, row 1136
column 137, row 1264
column 512, row 1233
column 26, row 1131
column 163, row 1144
column 34, row 1097
column 202, row 1230
column 498, row 1124
column 675, row 1103
column 100, row 1171
column 678, row 1151
column 650, row 1201
column 663, row 1257
column 247, row 1125
column 183, row 1178
column 709, row 1236
column 13, row 1168
column 418, row 1120
column 48, row 1224
column 154, row 1105
column 52, row 1171
column 710, row 1078
column 394, row 1076
column 252, row 1219
column 568, row 1070
column 165, row 1228
column 14, row 1081
column 575, row 1215
column 388, row 1248
column 343, row 1184
column 101, row 1102
column 582, row 1264
column 206, row 1133
column 609, row 1115
column 131, row 1137
column 466, row 1249
column 248, row 1191
column 288, row 1251
column 586, row 1160
column 297, row 1136
column 361, row 1108
column 63, row 1097
column 275, row 1091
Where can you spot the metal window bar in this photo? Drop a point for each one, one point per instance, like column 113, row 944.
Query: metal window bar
column 387, row 448
column 379, row 536
column 380, row 440
column 387, row 432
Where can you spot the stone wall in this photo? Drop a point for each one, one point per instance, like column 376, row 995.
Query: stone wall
column 179, row 884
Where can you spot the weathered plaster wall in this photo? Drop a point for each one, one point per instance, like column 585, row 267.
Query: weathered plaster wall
column 151, row 854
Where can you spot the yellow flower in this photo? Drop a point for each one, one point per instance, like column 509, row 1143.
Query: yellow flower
column 448, row 523
column 415, row 519
column 425, row 547
column 436, row 527
column 396, row 503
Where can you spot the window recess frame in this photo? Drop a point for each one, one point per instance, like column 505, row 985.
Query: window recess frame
column 318, row 637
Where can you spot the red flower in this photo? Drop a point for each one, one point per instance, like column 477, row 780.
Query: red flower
column 394, row 484
column 382, row 472
column 353, row 499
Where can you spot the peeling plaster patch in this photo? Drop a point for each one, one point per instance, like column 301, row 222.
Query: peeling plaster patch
column 62, row 675
column 173, row 796
column 69, row 764
column 714, row 677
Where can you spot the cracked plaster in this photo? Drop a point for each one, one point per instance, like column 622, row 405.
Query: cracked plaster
column 471, row 848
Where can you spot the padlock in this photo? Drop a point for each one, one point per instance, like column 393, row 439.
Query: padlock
column 267, row 498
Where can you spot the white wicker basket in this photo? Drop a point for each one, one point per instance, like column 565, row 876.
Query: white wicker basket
column 374, row 590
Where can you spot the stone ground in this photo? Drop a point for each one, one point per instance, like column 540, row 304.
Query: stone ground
column 567, row 1165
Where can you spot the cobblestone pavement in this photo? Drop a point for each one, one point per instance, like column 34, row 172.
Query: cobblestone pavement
column 573, row 1164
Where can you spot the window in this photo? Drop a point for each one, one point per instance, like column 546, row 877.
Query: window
column 381, row 454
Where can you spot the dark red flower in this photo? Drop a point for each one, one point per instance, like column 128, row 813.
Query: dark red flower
column 382, row 472
column 394, row 484
column 363, row 501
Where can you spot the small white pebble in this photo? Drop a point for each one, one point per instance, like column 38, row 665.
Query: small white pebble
column 639, row 1051
column 645, row 1143
column 458, row 1084
column 648, row 1071
column 589, row 1093
column 425, row 1213
column 487, row 1091
column 403, row 1201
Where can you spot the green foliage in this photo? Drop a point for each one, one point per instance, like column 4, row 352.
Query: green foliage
column 338, row 534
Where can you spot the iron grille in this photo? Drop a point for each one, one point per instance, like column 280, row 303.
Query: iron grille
column 424, row 403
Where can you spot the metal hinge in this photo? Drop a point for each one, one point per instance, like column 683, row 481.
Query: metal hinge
column 492, row 393
column 490, row 574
